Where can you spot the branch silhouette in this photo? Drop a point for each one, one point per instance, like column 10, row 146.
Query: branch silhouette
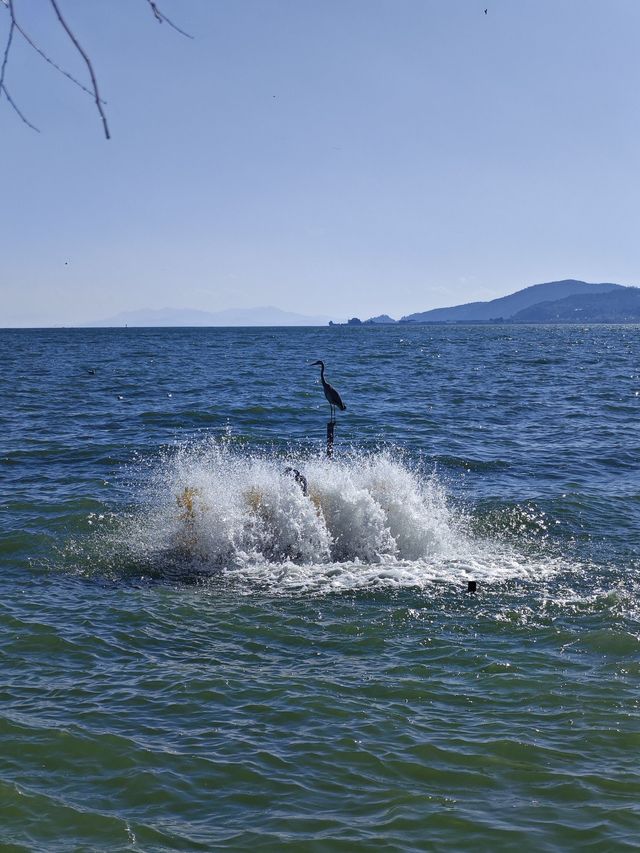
column 93, row 90
column 160, row 17
column 41, row 52
column 82, row 53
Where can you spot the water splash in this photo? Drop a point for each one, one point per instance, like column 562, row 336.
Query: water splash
column 368, row 520
column 230, row 507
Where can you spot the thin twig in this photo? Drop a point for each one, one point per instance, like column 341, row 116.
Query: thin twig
column 93, row 92
column 5, row 59
column 41, row 52
column 7, row 49
column 160, row 17
column 80, row 49
column 15, row 106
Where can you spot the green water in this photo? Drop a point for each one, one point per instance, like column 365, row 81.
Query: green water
column 271, row 681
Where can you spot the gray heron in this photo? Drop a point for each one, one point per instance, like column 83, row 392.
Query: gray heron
column 330, row 392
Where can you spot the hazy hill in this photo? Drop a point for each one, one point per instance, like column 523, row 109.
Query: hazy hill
column 268, row 316
column 507, row 306
column 381, row 319
column 617, row 306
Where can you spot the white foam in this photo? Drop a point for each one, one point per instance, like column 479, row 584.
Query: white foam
column 369, row 520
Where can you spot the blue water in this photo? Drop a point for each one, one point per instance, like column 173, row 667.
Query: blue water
column 195, row 655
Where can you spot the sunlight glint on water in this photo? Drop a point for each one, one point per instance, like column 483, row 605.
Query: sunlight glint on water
column 197, row 656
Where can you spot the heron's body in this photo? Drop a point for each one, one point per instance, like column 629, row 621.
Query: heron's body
column 333, row 398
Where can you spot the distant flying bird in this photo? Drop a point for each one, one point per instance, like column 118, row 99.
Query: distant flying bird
column 485, row 11
column 330, row 392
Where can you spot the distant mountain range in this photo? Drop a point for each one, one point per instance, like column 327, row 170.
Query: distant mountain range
column 508, row 307
column 567, row 301
column 615, row 306
column 267, row 316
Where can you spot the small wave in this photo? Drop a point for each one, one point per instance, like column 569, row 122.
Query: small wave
column 468, row 464
column 364, row 520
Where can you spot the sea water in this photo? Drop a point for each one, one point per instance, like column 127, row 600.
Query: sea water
column 197, row 655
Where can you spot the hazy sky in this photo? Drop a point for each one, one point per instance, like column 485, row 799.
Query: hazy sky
column 332, row 157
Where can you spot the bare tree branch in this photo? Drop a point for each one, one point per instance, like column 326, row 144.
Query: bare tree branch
column 160, row 17
column 15, row 106
column 5, row 60
column 7, row 50
column 80, row 49
column 93, row 92
column 41, row 52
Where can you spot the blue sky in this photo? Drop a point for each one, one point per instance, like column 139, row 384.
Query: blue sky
column 332, row 157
